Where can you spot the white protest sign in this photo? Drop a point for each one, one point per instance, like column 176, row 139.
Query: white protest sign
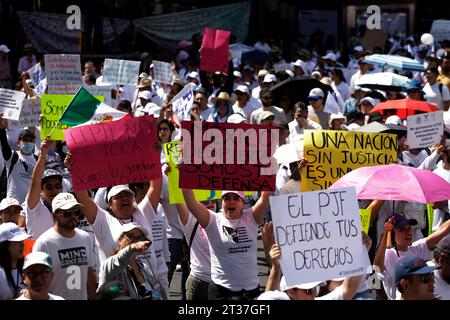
column 11, row 103
column 41, row 87
column 104, row 91
column 121, row 71
column 63, row 73
column 36, row 74
column 162, row 71
column 440, row 29
column 182, row 102
column 29, row 115
column 319, row 233
column 425, row 129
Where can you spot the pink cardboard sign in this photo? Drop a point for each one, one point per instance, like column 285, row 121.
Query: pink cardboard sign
column 227, row 156
column 214, row 55
column 113, row 153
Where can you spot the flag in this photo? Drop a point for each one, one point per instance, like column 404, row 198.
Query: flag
column 80, row 109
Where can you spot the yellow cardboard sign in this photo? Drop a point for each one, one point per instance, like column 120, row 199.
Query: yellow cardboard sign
column 365, row 219
column 430, row 216
column 172, row 151
column 332, row 154
column 52, row 107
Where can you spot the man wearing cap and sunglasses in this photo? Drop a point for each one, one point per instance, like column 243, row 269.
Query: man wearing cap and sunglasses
column 442, row 276
column 70, row 249
column 19, row 164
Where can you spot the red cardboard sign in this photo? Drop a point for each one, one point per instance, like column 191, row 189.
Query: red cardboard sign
column 113, row 153
column 227, row 156
column 215, row 46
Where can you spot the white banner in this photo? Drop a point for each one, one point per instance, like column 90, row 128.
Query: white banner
column 11, row 103
column 104, row 91
column 121, row 71
column 36, row 74
column 182, row 102
column 63, row 73
column 319, row 233
column 162, row 71
column 425, row 129
column 29, row 115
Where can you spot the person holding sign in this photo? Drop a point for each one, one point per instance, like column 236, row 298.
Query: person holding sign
column 232, row 235
column 386, row 259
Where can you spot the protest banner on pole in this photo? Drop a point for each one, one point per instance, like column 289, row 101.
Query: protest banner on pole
column 172, row 150
column 104, row 91
column 331, row 154
column 113, row 153
column 182, row 102
column 215, row 46
column 29, row 115
column 227, row 156
column 36, row 74
column 425, row 129
column 319, row 234
column 162, row 71
column 121, row 71
column 10, row 103
column 63, row 73
column 52, row 107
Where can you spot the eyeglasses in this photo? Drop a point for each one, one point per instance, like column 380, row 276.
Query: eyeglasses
column 163, row 129
column 50, row 187
column 67, row 214
column 234, row 198
column 35, row 274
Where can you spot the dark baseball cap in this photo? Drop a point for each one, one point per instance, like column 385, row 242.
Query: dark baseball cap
column 26, row 132
column 444, row 244
column 51, row 174
column 400, row 222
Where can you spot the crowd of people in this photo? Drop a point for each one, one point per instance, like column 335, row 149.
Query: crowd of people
column 126, row 241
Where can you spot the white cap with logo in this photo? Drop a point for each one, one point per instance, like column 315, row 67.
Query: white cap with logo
column 10, row 231
column 118, row 189
column 9, row 202
column 64, row 201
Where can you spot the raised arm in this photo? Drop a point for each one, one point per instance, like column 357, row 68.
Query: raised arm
column 183, row 213
column 198, row 210
column 381, row 251
column 436, row 236
column 261, row 207
column 34, row 192
column 374, row 207
column 273, row 282
column 154, row 193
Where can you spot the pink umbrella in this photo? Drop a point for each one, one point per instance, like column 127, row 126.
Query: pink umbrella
column 396, row 182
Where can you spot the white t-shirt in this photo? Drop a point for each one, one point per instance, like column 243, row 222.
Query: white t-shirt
column 20, row 178
column 200, row 254
column 6, row 292
column 278, row 113
column 343, row 88
column 336, row 294
column 160, row 240
column 107, row 228
column 416, row 249
column 38, row 220
column 439, row 214
column 173, row 224
column 433, row 94
column 233, row 245
column 296, row 133
column 441, row 287
column 50, row 297
column 251, row 106
column 71, row 258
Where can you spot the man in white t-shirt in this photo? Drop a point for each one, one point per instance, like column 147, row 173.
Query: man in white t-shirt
column 442, row 276
column 386, row 259
column 245, row 104
column 38, row 276
column 267, row 105
column 436, row 92
column 70, row 249
column 301, row 123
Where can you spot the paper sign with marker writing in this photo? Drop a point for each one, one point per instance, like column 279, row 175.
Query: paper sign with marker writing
column 52, row 107
column 11, row 103
column 162, row 71
column 182, row 102
column 63, row 73
column 228, row 156
column 319, row 233
column 172, row 151
column 331, row 154
column 121, row 71
column 215, row 46
column 36, row 74
column 364, row 214
column 113, row 153
column 104, row 91
column 426, row 129
column 29, row 115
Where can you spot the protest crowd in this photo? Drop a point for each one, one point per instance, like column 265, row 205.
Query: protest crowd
column 100, row 198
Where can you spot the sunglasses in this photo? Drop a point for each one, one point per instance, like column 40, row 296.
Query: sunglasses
column 67, row 214
column 50, row 187
column 426, row 278
column 35, row 274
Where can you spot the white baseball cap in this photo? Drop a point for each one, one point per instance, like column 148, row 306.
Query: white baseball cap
column 133, row 225
column 9, row 202
column 147, row 95
column 330, row 56
column 242, row 88
column 64, row 201
column 239, row 193
column 316, row 93
column 370, row 100
column 10, row 231
column 193, row 75
column 118, row 189
column 236, row 118
column 394, row 119
column 37, row 257
column 305, row 286
column 4, row 48
column 268, row 78
column 262, row 72
column 237, row 74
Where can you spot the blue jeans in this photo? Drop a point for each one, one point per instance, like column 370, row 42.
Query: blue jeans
column 176, row 257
